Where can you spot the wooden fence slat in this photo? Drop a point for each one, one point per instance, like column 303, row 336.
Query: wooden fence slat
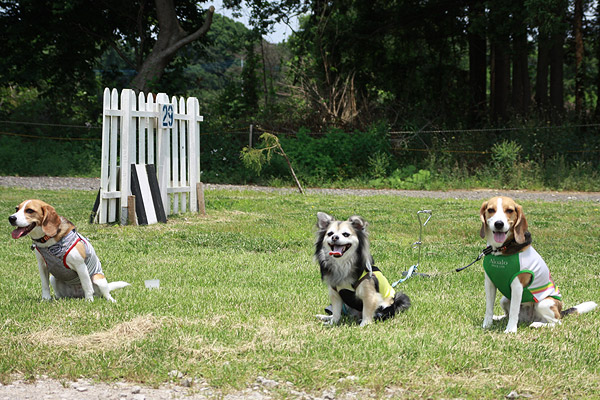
column 114, row 132
column 182, row 155
column 150, row 106
column 193, row 151
column 143, row 125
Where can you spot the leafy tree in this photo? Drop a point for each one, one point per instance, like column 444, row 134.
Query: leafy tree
column 53, row 45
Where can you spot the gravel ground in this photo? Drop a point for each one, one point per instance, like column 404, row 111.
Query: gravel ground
column 57, row 183
column 185, row 388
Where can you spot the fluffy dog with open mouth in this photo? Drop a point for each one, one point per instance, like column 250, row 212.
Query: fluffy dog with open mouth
column 518, row 271
column 342, row 250
column 66, row 259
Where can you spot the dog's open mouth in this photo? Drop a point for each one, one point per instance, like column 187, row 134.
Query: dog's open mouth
column 499, row 237
column 338, row 251
column 22, row 231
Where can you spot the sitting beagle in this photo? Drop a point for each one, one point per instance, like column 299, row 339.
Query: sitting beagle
column 517, row 271
column 73, row 273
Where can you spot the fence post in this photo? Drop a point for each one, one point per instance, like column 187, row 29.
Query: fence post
column 193, row 154
column 127, row 98
column 105, row 163
column 163, row 158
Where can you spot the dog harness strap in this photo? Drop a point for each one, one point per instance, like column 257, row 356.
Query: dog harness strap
column 366, row 275
column 68, row 251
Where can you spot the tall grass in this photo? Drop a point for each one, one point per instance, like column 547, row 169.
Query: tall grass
column 239, row 290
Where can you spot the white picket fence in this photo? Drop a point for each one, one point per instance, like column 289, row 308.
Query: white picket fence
column 149, row 130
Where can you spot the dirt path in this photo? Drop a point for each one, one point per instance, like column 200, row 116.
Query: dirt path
column 57, row 183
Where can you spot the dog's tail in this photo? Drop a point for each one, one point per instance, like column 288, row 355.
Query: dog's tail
column 401, row 302
column 580, row 308
column 117, row 285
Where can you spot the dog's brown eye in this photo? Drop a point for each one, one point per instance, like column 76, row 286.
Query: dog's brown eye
column 29, row 211
column 509, row 211
column 491, row 210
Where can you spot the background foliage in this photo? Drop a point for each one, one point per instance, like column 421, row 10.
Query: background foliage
column 385, row 94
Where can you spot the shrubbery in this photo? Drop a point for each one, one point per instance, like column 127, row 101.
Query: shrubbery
column 338, row 159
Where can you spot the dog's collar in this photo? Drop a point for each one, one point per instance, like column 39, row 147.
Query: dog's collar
column 513, row 247
column 43, row 239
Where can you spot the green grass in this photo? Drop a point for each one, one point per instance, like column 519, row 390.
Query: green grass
column 239, row 290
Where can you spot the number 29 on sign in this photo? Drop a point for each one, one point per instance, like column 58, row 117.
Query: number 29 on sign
column 167, row 115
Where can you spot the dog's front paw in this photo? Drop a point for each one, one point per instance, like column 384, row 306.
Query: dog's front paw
column 90, row 298
column 539, row 324
column 328, row 319
column 510, row 329
column 487, row 323
column 365, row 322
column 324, row 317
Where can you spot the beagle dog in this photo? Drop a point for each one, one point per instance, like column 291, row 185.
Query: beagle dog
column 517, row 271
column 66, row 259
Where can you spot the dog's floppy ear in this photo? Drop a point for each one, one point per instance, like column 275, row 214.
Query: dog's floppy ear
column 50, row 221
column 323, row 220
column 521, row 225
column 482, row 216
column 358, row 223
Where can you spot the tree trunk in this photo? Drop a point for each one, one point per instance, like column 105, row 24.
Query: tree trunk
column 557, row 73
column 500, row 82
column 578, row 33
column 557, row 56
column 521, row 93
column 477, row 63
column 171, row 37
column 597, row 112
column 541, row 76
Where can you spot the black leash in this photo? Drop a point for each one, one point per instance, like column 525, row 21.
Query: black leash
column 485, row 252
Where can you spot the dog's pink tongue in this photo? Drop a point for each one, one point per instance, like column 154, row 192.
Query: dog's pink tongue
column 17, row 233
column 499, row 237
column 337, row 251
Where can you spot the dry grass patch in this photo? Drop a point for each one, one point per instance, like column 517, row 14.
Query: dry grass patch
column 119, row 336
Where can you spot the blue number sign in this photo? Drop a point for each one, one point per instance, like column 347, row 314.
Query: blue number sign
column 166, row 115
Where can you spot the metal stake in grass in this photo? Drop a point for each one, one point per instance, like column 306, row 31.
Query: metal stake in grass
column 412, row 271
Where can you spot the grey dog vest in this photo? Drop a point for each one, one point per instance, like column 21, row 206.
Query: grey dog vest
column 55, row 257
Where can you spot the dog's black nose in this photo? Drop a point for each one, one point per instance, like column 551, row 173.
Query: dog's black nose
column 12, row 219
column 335, row 238
column 499, row 224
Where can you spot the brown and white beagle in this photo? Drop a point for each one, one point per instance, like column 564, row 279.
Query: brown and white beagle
column 66, row 259
column 518, row 271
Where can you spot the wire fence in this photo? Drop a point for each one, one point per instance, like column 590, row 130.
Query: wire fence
column 400, row 139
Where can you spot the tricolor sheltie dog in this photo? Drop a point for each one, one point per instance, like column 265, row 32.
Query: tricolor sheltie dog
column 355, row 285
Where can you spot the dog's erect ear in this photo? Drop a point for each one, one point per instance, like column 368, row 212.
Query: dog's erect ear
column 483, row 222
column 521, row 225
column 323, row 220
column 50, row 221
column 358, row 223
